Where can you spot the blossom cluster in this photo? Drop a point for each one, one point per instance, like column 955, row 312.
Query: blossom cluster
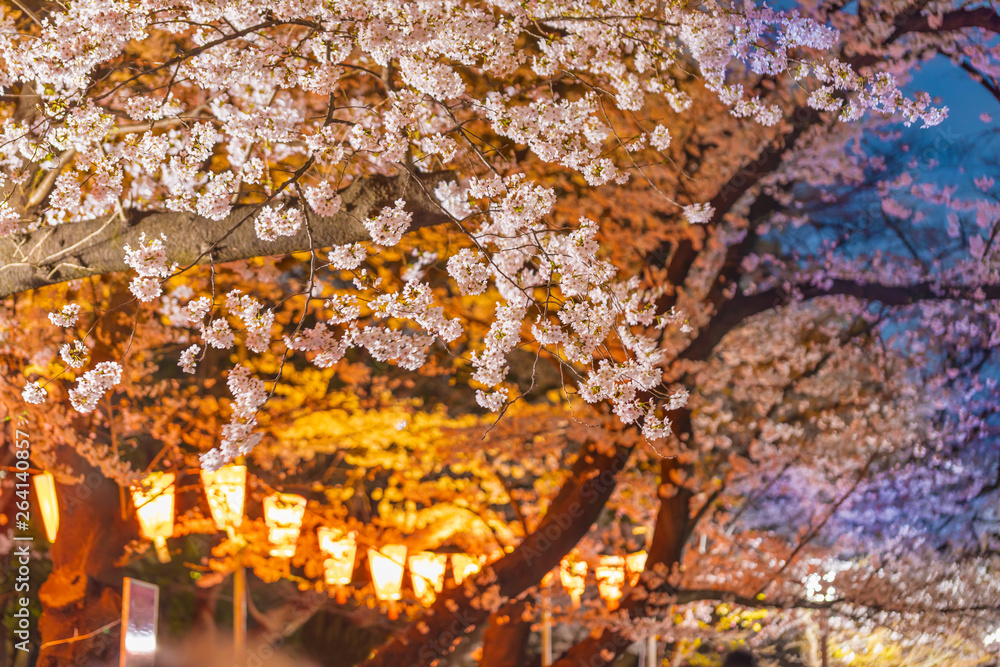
column 347, row 257
column 34, row 393
column 149, row 260
column 271, row 100
column 94, row 384
column 388, row 226
column 256, row 321
column 271, row 222
column 66, row 316
column 238, row 437
column 75, row 355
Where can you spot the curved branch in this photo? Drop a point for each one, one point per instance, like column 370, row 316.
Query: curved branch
column 670, row 534
column 767, row 160
column 989, row 84
column 742, row 306
column 460, row 610
column 39, row 258
column 981, row 17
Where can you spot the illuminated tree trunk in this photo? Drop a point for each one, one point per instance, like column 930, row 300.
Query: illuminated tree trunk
column 83, row 592
column 506, row 637
column 458, row 612
column 670, row 534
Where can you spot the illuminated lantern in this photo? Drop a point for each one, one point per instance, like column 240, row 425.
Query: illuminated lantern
column 387, row 565
column 45, row 491
column 464, row 565
column 283, row 513
column 635, row 564
column 341, row 550
column 610, row 575
column 225, row 489
column 427, row 573
column 573, row 574
column 154, row 506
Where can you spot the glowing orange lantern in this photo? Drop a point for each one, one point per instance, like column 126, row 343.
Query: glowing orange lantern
column 387, row 565
column 154, row 507
column 45, row 491
column 610, row 573
column 225, row 489
column 635, row 563
column 464, row 565
column 573, row 574
column 283, row 513
column 341, row 550
column 427, row 573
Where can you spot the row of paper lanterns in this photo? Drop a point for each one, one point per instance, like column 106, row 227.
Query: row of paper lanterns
column 225, row 490
column 611, row 572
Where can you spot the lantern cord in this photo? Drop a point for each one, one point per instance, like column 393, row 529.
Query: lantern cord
column 78, row 638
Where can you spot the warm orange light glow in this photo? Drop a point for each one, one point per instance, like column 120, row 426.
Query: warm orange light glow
column 464, row 566
column 386, row 564
column 610, row 573
column 635, row 563
column 283, row 513
column 225, row 489
column 573, row 574
column 427, row 573
column 154, row 506
column 45, row 491
column 341, row 549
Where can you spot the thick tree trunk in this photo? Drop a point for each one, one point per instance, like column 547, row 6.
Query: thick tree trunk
column 83, row 592
column 461, row 609
column 80, row 249
column 669, row 536
column 506, row 636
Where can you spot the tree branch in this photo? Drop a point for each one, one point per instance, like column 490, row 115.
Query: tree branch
column 960, row 19
column 461, row 609
column 988, row 83
column 742, row 307
column 672, row 529
column 768, row 159
column 39, row 258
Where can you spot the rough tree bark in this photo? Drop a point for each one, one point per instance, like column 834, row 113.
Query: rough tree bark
column 83, row 592
column 461, row 609
column 76, row 250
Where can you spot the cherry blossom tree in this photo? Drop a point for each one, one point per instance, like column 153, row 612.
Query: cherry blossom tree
column 432, row 178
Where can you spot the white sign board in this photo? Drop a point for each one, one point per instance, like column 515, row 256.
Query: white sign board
column 140, row 604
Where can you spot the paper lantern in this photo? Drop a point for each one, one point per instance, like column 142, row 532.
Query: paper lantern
column 45, row 491
column 635, row 563
column 427, row 573
column 573, row 574
column 225, row 489
column 610, row 574
column 283, row 513
column 154, row 506
column 341, row 549
column 464, row 566
column 387, row 566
